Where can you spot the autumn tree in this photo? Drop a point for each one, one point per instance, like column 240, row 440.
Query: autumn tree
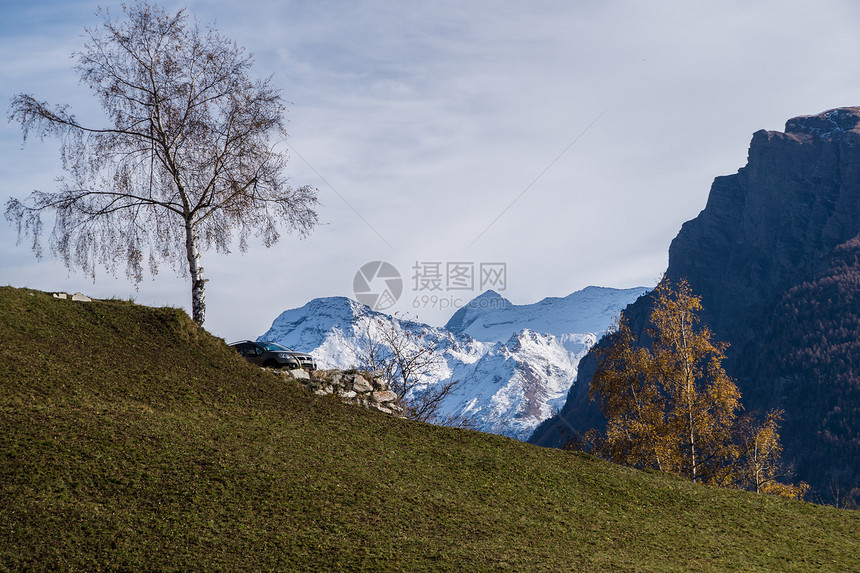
column 188, row 159
column 760, row 467
column 669, row 405
column 632, row 404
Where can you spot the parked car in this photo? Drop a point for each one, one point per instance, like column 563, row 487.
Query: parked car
column 272, row 355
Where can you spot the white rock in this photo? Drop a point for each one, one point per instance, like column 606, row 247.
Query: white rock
column 384, row 396
column 359, row 384
column 300, row 374
column 380, row 408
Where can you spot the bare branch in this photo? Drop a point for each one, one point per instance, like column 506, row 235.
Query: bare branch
column 187, row 162
column 408, row 360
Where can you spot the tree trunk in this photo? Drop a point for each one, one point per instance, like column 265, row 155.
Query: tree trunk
column 689, row 387
column 695, row 469
column 198, row 283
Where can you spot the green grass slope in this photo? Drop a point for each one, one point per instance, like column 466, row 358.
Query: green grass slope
column 132, row 440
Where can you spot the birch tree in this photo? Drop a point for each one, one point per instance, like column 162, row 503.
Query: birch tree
column 760, row 467
column 669, row 404
column 702, row 400
column 186, row 161
column 632, row 404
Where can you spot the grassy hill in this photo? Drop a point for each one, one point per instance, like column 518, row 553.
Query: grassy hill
column 130, row 439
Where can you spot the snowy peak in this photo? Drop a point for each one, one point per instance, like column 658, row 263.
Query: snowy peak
column 465, row 316
column 515, row 363
column 489, row 299
column 492, row 318
column 311, row 326
column 334, row 309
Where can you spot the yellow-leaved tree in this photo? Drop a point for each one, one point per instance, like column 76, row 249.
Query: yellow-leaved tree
column 670, row 405
column 760, row 464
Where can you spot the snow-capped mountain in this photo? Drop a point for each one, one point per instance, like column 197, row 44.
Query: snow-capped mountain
column 490, row 317
column 515, row 363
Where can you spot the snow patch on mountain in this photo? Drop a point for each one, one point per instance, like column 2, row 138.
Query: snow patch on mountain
column 515, row 363
column 324, row 327
column 491, row 317
column 518, row 382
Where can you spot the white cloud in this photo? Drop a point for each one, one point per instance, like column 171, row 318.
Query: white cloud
column 430, row 118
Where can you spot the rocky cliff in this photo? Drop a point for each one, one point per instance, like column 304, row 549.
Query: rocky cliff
column 774, row 255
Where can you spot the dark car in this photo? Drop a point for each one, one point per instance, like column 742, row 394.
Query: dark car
column 272, row 355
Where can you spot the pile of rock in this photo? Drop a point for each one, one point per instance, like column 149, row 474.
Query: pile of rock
column 77, row 296
column 366, row 389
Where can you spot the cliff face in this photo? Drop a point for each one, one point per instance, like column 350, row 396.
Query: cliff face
column 774, row 223
column 774, row 255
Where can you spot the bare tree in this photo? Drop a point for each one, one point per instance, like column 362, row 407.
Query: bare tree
column 407, row 357
column 843, row 497
column 187, row 161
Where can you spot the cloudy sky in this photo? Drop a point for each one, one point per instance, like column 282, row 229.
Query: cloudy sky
column 568, row 140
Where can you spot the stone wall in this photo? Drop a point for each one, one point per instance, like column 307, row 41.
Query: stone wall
column 77, row 296
column 365, row 389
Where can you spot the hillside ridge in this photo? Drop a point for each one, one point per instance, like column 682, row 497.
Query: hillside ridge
column 131, row 439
